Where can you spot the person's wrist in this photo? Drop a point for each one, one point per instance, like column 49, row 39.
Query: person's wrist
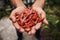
column 37, row 8
column 37, row 5
column 21, row 6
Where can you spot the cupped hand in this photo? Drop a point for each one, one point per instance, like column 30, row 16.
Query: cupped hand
column 42, row 15
column 12, row 17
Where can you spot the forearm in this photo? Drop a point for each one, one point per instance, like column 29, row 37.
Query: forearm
column 39, row 3
column 17, row 3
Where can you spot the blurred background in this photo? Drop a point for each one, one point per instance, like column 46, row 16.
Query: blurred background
column 52, row 9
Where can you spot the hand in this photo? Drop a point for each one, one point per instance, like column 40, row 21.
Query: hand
column 18, row 10
column 42, row 14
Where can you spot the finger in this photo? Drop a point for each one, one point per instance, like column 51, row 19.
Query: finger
column 32, row 32
column 38, row 25
column 22, row 30
column 27, row 29
column 43, row 14
column 18, row 27
column 45, row 21
column 12, row 16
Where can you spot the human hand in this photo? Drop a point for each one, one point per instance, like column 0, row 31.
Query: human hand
column 15, row 12
column 42, row 15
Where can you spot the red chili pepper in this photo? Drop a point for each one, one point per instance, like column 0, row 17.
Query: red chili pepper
column 28, row 18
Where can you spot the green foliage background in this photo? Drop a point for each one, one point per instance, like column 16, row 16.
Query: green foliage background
column 52, row 9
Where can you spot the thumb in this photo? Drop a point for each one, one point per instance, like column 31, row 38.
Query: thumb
column 45, row 21
column 13, row 19
column 12, row 16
